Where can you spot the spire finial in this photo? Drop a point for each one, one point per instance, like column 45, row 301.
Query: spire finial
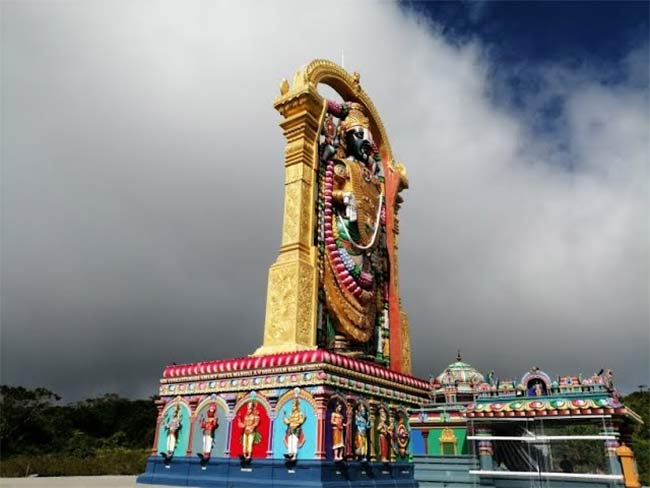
column 458, row 356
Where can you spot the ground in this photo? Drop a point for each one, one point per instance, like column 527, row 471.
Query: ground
column 71, row 482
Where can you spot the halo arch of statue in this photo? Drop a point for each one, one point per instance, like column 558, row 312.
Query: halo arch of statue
column 348, row 86
column 254, row 396
column 212, row 399
column 290, row 395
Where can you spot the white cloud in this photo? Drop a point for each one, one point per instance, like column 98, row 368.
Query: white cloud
column 143, row 174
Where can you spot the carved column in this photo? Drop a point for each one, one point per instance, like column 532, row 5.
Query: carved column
column 269, row 446
column 230, row 418
column 611, row 445
column 291, row 304
column 349, row 414
column 373, row 431
column 159, row 405
column 321, row 418
column 485, row 450
column 193, row 404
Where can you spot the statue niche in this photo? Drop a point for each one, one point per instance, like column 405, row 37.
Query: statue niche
column 351, row 238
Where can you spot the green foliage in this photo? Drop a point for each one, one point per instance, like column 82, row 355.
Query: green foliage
column 639, row 401
column 106, row 435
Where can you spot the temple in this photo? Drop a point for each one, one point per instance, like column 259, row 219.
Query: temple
column 567, row 431
column 328, row 399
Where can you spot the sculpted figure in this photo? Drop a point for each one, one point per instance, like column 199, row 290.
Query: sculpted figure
column 208, row 426
column 338, row 424
column 354, row 253
column 173, row 426
column 362, row 424
column 250, row 435
column 385, row 432
column 294, row 437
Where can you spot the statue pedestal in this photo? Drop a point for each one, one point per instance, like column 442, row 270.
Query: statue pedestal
column 255, row 399
column 225, row 473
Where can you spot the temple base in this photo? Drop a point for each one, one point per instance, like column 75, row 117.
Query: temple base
column 276, row 473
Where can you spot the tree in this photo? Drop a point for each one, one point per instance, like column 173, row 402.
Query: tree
column 24, row 423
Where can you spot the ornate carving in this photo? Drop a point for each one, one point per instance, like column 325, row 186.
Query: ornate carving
column 406, row 342
column 291, row 213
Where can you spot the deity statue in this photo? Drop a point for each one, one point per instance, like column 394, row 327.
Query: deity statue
column 385, row 432
column 402, row 437
column 172, row 426
column 352, row 231
column 294, row 437
column 208, row 426
column 362, row 425
column 250, row 435
column 338, row 424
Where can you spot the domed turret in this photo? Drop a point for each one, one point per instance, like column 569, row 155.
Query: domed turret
column 457, row 382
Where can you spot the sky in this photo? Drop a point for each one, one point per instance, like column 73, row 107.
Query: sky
column 142, row 181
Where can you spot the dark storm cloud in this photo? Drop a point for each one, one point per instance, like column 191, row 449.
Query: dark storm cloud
column 142, row 194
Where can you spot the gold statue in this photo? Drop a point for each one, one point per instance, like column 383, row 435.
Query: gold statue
column 337, row 291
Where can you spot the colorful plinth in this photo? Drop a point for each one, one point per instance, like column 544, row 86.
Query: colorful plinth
column 312, row 418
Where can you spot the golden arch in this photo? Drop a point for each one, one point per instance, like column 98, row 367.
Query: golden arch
column 349, row 87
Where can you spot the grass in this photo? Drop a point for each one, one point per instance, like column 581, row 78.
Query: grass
column 118, row 461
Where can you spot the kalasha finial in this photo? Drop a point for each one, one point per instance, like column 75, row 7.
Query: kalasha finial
column 458, row 356
column 284, row 86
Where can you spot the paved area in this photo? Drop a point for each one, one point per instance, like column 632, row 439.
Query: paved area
column 71, row 482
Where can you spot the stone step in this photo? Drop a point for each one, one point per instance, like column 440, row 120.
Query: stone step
column 445, row 471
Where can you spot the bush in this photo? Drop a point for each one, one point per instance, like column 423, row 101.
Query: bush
column 106, row 461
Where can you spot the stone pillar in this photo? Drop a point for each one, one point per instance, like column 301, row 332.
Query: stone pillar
column 230, row 416
column 269, row 447
column 193, row 404
column 321, row 418
column 485, row 450
column 373, row 433
column 159, row 405
column 291, row 303
column 610, row 449
column 349, row 419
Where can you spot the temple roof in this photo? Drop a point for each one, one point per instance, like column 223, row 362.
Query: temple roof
column 460, row 374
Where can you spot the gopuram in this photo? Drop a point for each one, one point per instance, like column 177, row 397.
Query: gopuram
column 325, row 400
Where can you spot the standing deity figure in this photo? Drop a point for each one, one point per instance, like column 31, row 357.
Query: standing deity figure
column 338, row 424
column 250, row 435
column 385, row 432
column 172, row 426
column 294, row 437
column 208, row 426
column 402, row 437
column 352, row 219
column 362, row 424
